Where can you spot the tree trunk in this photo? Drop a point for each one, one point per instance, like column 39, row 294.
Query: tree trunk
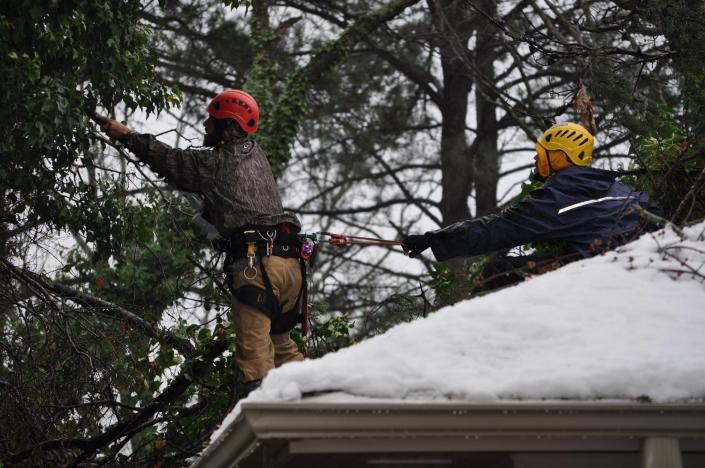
column 486, row 154
column 6, row 302
column 450, row 17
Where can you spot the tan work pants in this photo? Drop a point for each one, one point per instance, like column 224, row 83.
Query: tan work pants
column 256, row 350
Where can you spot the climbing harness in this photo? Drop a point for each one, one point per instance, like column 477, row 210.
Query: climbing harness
column 254, row 243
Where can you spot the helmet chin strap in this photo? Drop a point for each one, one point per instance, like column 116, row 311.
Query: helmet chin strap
column 551, row 170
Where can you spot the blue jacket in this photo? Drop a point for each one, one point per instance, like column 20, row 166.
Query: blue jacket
column 578, row 205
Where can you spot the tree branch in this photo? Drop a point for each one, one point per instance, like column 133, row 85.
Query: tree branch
column 102, row 307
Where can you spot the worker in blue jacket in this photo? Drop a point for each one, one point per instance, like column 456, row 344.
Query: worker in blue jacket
column 585, row 208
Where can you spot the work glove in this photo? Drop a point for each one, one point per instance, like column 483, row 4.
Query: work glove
column 414, row 244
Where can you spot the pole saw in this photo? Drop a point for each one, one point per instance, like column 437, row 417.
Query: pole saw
column 343, row 240
column 310, row 240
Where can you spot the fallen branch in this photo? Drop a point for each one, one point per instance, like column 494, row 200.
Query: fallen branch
column 189, row 374
column 100, row 306
column 128, row 428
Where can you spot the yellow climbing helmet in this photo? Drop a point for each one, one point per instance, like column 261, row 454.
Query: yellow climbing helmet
column 570, row 138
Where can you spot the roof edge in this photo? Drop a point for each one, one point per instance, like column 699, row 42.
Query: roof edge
column 260, row 421
column 238, row 438
column 379, row 419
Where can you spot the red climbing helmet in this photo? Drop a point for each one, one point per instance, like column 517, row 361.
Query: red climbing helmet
column 237, row 105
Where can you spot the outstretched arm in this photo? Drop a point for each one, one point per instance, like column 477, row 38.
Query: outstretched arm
column 534, row 219
column 185, row 169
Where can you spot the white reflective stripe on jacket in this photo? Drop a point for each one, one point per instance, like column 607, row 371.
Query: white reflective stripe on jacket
column 590, row 202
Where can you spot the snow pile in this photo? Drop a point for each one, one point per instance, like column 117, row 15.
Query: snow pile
column 628, row 324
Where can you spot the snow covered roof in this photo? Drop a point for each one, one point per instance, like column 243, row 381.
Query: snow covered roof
column 625, row 326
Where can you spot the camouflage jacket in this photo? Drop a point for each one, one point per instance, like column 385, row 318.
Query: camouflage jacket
column 235, row 180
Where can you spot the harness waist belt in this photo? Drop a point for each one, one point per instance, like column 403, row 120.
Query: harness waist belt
column 279, row 250
column 280, row 234
column 281, row 240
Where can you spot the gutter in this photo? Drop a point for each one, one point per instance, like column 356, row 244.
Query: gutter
column 564, row 426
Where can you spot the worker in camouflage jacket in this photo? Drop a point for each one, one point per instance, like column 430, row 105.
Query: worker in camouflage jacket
column 584, row 209
column 241, row 199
